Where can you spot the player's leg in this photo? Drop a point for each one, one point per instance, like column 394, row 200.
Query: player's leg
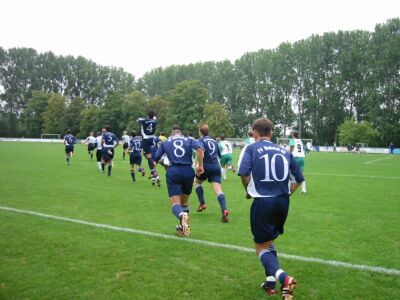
column 221, row 200
column 139, row 165
column 267, row 217
column 230, row 163
column 300, row 162
column 110, row 162
column 200, row 193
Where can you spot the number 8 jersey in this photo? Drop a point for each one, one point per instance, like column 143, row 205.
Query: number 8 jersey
column 269, row 168
column 178, row 150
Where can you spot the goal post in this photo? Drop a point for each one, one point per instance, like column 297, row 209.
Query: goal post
column 51, row 136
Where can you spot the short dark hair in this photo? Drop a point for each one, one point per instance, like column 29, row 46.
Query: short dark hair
column 162, row 133
column 151, row 114
column 176, row 127
column 222, row 136
column 204, row 130
column 263, row 126
column 68, row 130
column 133, row 133
column 250, row 133
column 107, row 127
column 295, row 134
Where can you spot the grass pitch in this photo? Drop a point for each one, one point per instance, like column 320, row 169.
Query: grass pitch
column 351, row 213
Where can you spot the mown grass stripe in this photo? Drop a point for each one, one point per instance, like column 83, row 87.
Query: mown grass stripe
column 334, row 263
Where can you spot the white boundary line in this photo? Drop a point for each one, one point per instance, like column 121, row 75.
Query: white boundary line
column 382, row 158
column 333, row 263
column 352, row 175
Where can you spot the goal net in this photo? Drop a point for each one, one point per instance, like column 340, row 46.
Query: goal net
column 284, row 142
column 50, row 136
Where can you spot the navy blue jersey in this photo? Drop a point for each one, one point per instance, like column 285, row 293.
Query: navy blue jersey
column 270, row 168
column 211, row 150
column 69, row 140
column 135, row 144
column 156, row 143
column 109, row 139
column 178, row 150
column 147, row 127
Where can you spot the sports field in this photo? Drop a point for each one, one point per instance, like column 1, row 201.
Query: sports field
column 347, row 224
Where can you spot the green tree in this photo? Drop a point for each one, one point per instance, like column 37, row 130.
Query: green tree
column 54, row 115
column 72, row 115
column 218, row 120
column 160, row 106
column 351, row 133
column 133, row 107
column 186, row 103
column 33, row 119
column 89, row 121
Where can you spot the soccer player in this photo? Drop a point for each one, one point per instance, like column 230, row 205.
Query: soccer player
column 162, row 136
column 109, row 141
column 180, row 174
column 148, row 129
column 250, row 139
column 69, row 142
column 135, row 149
column 90, row 141
column 297, row 149
column 125, row 141
column 98, row 146
column 265, row 170
column 212, row 172
column 226, row 156
column 154, row 147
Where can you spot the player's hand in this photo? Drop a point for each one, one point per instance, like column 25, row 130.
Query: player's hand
column 247, row 195
column 109, row 152
column 199, row 170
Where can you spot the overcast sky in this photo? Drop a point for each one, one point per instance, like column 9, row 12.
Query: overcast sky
column 141, row 35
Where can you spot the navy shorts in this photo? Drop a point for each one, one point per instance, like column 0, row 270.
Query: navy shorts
column 69, row 149
column 125, row 146
column 212, row 173
column 180, row 180
column 90, row 147
column 136, row 158
column 106, row 155
column 267, row 217
column 146, row 144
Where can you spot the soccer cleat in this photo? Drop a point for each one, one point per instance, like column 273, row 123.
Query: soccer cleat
column 153, row 181
column 269, row 288
column 179, row 230
column 143, row 172
column 288, row 288
column 225, row 216
column 201, row 208
column 185, row 223
column 158, row 181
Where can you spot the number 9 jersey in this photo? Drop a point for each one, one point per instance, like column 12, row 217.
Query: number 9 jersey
column 270, row 167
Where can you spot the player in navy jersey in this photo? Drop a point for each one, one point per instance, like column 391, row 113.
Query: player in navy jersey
column 69, row 141
column 212, row 172
column 265, row 170
column 154, row 147
column 109, row 142
column 148, row 130
column 180, row 174
column 135, row 150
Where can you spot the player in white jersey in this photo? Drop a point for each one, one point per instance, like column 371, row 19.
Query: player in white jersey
column 226, row 150
column 125, row 142
column 98, row 149
column 297, row 149
column 90, row 141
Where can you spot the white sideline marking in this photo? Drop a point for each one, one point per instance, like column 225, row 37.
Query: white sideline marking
column 334, row 263
column 383, row 158
column 352, row 175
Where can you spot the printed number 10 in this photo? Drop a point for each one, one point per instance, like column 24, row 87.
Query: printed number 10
column 271, row 167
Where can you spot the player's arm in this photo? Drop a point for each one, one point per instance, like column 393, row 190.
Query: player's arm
column 244, row 169
column 291, row 145
column 200, row 158
column 245, row 182
column 159, row 153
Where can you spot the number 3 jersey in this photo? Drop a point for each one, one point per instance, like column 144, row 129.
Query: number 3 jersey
column 270, row 167
column 178, row 150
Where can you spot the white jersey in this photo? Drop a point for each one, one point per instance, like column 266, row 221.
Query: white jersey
column 98, row 141
column 125, row 139
column 90, row 139
column 226, row 147
column 298, row 148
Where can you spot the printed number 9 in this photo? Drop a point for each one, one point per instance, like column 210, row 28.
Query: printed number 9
column 211, row 145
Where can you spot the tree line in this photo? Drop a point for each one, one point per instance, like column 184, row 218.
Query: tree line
column 313, row 85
